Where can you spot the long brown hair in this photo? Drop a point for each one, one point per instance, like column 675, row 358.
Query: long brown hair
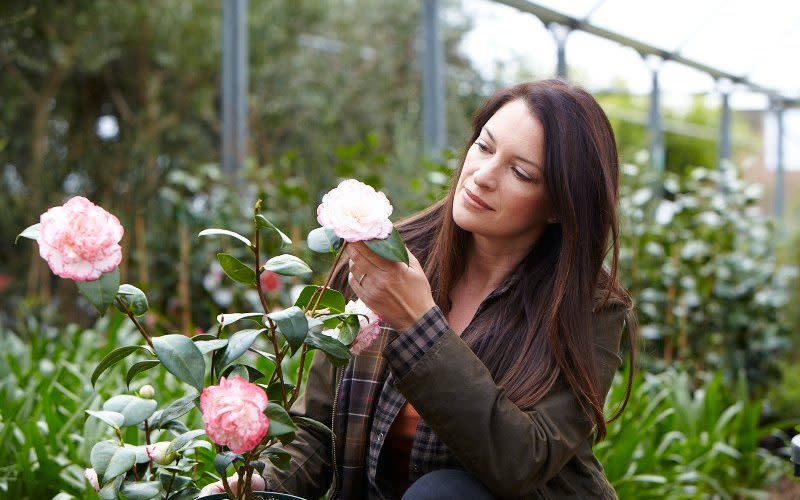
column 539, row 335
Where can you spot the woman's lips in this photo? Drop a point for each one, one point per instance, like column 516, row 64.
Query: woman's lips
column 475, row 201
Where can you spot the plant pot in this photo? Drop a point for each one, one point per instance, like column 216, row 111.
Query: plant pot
column 266, row 495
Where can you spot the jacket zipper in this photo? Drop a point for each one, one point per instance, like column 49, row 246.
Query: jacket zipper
column 335, row 488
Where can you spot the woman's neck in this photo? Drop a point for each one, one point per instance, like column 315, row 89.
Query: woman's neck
column 488, row 263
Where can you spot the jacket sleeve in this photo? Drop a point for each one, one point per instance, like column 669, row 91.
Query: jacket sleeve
column 310, row 473
column 512, row 451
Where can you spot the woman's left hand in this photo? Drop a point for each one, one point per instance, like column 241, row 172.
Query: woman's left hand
column 400, row 294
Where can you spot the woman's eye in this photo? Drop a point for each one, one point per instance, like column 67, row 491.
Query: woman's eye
column 483, row 147
column 522, row 175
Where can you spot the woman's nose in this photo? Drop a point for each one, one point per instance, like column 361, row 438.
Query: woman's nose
column 485, row 176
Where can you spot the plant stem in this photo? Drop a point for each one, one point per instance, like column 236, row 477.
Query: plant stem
column 227, row 486
column 296, row 391
column 328, row 280
column 278, row 359
column 135, row 322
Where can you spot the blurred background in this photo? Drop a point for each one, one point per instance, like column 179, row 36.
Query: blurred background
column 176, row 116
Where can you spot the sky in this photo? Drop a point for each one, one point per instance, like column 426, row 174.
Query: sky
column 759, row 39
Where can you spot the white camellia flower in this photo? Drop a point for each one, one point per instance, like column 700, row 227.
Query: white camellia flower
column 355, row 212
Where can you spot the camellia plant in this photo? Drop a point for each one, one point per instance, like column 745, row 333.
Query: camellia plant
column 245, row 412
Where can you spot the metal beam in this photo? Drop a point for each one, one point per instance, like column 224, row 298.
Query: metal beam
column 234, row 84
column 548, row 16
column 779, row 181
column 655, row 132
column 725, row 131
column 434, row 125
column 560, row 34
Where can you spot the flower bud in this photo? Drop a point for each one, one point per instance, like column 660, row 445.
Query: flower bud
column 158, row 453
column 91, row 476
column 147, row 392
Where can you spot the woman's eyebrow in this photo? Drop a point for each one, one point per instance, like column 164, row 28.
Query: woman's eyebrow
column 524, row 160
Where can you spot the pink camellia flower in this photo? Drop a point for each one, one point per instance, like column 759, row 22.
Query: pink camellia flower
column 91, row 476
column 355, row 212
column 270, row 281
column 79, row 240
column 370, row 326
column 256, row 481
column 233, row 413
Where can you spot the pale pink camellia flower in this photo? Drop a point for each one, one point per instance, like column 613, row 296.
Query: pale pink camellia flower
column 370, row 326
column 256, row 481
column 355, row 212
column 91, row 476
column 233, row 413
column 79, row 240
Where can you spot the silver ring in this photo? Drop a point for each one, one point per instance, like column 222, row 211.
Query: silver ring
column 361, row 279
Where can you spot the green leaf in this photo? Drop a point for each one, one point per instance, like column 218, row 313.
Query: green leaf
column 112, row 418
column 349, row 329
column 337, row 353
column 324, row 240
column 141, row 491
column 236, row 269
column 238, row 344
column 331, row 299
column 227, row 319
column 268, row 355
column 102, row 291
column 138, row 368
column 101, row 454
column 141, row 453
column 223, row 460
column 174, row 410
column 313, row 424
column 280, row 457
column 225, row 232
column 274, row 390
column 280, row 423
column 133, row 298
column 392, row 248
column 292, row 324
column 181, row 357
column 206, row 346
column 110, row 490
column 31, row 232
column 120, row 463
column 181, row 441
column 247, row 372
column 259, row 466
column 113, row 358
column 263, row 223
column 287, row 265
column 135, row 409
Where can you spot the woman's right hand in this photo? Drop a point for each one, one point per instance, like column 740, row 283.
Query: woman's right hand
column 257, row 482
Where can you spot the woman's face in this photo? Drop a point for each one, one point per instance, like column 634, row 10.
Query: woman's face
column 501, row 193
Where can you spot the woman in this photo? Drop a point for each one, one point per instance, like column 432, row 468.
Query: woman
column 503, row 330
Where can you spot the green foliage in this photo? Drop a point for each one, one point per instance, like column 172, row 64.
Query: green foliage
column 700, row 263
column 677, row 441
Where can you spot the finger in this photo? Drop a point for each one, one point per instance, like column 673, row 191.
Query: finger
column 352, row 279
column 362, row 253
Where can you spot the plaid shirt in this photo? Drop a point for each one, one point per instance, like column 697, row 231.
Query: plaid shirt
column 368, row 403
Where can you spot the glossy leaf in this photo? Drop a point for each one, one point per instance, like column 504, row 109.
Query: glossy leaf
column 101, row 292
column 184, row 439
column 225, row 232
column 391, row 248
column 112, row 418
column 31, row 232
column 206, row 346
column 287, row 265
column 138, row 368
column 223, row 460
column 274, row 390
column 331, row 299
column 121, row 462
column 337, row 353
column 236, row 269
column 263, row 223
column 181, row 357
column 227, row 319
column 113, row 358
column 135, row 409
column 280, row 423
column 324, row 240
column 309, row 422
column 280, row 457
column 174, row 410
column 292, row 324
column 238, row 344
column 141, row 491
